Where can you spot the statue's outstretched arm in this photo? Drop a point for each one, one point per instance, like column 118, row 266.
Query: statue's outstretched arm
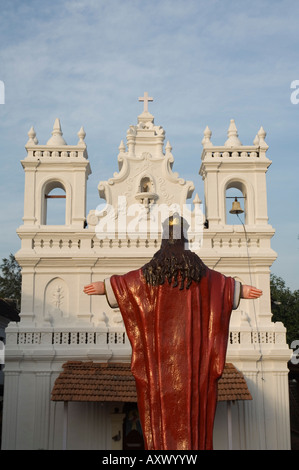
column 250, row 292
column 95, row 288
column 98, row 288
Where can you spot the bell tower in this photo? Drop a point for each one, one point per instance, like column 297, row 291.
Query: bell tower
column 51, row 168
column 239, row 244
column 234, row 165
column 55, row 165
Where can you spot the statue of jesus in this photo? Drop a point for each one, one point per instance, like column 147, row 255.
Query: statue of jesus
column 176, row 313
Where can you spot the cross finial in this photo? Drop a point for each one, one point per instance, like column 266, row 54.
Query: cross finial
column 145, row 98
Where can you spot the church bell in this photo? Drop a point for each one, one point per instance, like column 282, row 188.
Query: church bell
column 236, row 207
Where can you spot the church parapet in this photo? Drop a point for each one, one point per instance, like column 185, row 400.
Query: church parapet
column 116, row 338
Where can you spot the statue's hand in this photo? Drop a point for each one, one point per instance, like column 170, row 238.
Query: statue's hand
column 250, row 292
column 95, row 288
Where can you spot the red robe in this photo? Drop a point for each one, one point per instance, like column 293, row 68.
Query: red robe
column 179, row 341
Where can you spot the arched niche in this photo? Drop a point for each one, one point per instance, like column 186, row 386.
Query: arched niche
column 146, row 185
column 56, row 300
column 145, row 193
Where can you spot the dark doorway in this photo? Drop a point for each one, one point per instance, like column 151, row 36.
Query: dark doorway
column 132, row 432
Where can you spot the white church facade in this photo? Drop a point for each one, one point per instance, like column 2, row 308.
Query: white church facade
column 61, row 325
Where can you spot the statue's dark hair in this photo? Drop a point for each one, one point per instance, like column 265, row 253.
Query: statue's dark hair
column 174, row 264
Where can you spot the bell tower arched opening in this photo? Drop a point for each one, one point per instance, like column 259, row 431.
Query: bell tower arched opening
column 235, row 198
column 56, row 207
column 54, row 204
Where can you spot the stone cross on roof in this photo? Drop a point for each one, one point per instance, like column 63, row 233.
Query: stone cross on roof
column 146, row 99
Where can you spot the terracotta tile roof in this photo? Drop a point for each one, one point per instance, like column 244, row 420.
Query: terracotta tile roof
column 232, row 385
column 96, row 381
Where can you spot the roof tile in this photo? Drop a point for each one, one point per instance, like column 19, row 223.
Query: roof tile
column 98, row 381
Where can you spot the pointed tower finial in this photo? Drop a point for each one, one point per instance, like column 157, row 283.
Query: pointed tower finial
column 81, row 134
column 206, row 141
column 122, row 147
column 261, row 135
column 196, row 200
column 256, row 140
column 32, row 137
column 168, row 148
column 56, row 140
column 232, row 134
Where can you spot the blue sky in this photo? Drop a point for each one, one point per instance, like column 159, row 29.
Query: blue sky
column 88, row 61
